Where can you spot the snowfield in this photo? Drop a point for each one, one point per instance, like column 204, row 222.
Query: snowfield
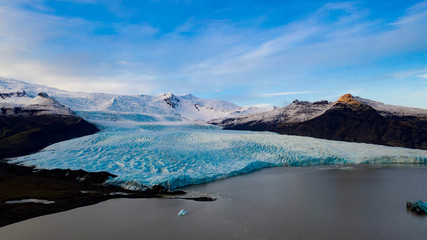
column 161, row 107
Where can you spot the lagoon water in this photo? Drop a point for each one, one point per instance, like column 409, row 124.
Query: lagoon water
column 320, row 202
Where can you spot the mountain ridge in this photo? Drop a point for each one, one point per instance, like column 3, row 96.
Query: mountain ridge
column 164, row 106
column 347, row 119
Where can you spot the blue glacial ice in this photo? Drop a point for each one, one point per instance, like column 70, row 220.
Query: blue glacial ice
column 144, row 152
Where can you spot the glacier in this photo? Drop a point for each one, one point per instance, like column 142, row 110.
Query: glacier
column 144, row 151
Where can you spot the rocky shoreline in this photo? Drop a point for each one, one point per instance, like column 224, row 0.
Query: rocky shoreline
column 66, row 189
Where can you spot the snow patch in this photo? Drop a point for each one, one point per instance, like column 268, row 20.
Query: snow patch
column 386, row 109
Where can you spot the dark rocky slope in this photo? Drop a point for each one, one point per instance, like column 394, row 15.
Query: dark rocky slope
column 350, row 120
column 361, row 124
column 21, row 135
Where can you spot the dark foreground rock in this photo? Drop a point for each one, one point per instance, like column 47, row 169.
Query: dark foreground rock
column 67, row 188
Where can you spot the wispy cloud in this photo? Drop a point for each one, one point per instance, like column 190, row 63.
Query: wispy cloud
column 422, row 73
column 264, row 105
column 276, row 94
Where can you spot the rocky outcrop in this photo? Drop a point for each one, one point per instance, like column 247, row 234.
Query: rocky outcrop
column 347, row 99
column 171, row 100
column 350, row 120
column 11, row 94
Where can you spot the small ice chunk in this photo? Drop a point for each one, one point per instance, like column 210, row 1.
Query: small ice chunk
column 118, row 193
column 42, row 201
column 182, row 212
column 85, row 192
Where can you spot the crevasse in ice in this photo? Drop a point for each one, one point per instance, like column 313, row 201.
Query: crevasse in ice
column 144, row 152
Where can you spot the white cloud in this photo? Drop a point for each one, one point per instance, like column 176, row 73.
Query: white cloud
column 422, row 73
column 276, row 94
column 263, row 105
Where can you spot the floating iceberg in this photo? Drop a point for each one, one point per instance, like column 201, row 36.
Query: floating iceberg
column 418, row 207
column 182, row 212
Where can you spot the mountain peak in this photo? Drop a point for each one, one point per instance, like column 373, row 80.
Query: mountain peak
column 171, row 99
column 43, row 95
column 348, row 99
column 189, row 96
column 168, row 95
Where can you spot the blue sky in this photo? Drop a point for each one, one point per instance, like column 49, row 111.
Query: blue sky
column 247, row 52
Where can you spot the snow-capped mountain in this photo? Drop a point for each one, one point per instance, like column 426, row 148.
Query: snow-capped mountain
column 350, row 118
column 161, row 107
column 301, row 111
column 297, row 111
column 19, row 103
